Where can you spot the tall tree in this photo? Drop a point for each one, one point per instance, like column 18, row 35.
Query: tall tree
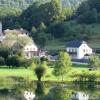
column 62, row 65
column 55, row 10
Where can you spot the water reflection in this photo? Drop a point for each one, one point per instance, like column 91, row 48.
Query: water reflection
column 47, row 91
column 29, row 95
column 80, row 96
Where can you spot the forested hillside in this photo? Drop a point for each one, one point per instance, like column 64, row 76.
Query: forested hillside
column 22, row 4
column 49, row 20
column 25, row 3
column 72, row 3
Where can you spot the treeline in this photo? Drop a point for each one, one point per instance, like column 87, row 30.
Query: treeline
column 50, row 20
column 22, row 4
column 37, row 18
column 89, row 12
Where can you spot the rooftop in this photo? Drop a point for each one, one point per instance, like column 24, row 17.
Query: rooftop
column 75, row 43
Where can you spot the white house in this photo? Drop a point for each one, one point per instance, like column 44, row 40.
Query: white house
column 30, row 50
column 78, row 49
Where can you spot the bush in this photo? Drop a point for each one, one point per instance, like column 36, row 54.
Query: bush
column 18, row 61
column 4, row 51
column 2, row 61
column 12, row 61
column 39, row 71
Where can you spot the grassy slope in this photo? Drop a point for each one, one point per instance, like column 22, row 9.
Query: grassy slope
column 28, row 74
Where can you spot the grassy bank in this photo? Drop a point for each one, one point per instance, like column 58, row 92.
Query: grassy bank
column 29, row 74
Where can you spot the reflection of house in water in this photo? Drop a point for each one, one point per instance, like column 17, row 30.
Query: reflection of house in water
column 29, row 95
column 80, row 96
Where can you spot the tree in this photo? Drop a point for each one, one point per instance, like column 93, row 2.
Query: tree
column 95, row 62
column 88, row 17
column 55, row 9
column 41, row 70
column 59, row 93
column 2, row 61
column 42, row 26
column 4, row 51
column 34, row 30
column 62, row 65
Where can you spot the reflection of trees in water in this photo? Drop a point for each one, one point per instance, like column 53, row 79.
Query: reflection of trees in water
column 59, row 93
column 10, row 94
column 45, row 91
column 41, row 90
column 85, row 86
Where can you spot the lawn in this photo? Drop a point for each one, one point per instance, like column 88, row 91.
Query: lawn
column 55, row 44
column 15, row 72
column 28, row 73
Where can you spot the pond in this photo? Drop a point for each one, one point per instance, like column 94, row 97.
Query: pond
column 49, row 91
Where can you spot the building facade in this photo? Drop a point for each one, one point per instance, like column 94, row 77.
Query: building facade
column 30, row 50
column 78, row 49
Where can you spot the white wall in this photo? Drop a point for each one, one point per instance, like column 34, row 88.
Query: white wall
column 29, row 50
column 83, row 50
column 30, row 47
column 71, row 49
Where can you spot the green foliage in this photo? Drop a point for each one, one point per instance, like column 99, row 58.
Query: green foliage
column 2, row 61
column 18, row 61
column 4, row 51
column 59, row 93
column 62, row 65
column 95, row 62
column 88, row 12
column 40, row 71
column 42, row 27
column 22, row 4
column 88, row 17
column 85, row 76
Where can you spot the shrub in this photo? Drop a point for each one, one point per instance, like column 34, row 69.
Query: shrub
column 12, row 61
column 2, row 61
column 39, row 71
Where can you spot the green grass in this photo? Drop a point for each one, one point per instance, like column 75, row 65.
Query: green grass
column 28, row 73
column 55, row 44
column 15, row 72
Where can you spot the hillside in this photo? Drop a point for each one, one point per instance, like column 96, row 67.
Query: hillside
column 22, row 4
column 25, row 3
column 71, row 3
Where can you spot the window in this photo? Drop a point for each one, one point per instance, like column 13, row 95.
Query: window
column 83, row 50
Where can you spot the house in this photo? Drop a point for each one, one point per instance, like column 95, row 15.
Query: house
column 78, row 49
column 19, row 32
column 31, row 50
